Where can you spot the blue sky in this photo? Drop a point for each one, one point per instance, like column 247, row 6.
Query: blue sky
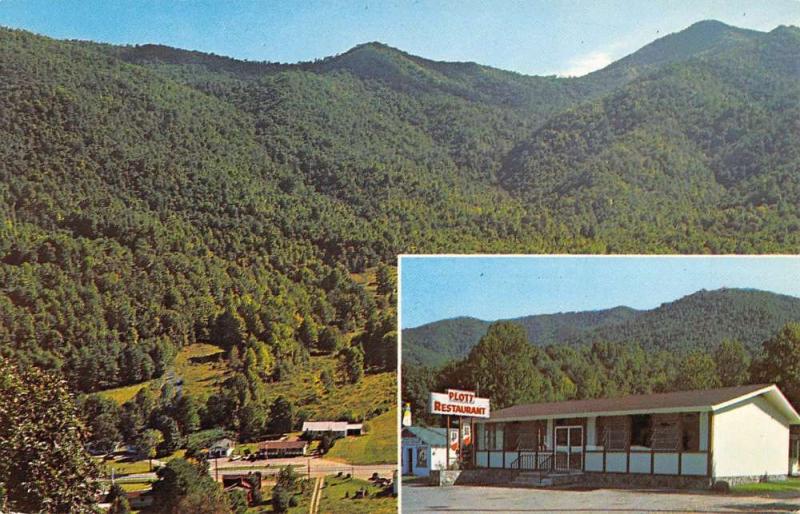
column 533, row 37
column 491, row 288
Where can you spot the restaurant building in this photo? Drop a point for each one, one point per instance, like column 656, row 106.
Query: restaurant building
column 689, row 438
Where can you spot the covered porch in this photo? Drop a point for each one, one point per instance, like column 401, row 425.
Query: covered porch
column 649, row 443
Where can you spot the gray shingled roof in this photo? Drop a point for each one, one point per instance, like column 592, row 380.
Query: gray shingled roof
column 429, row 436
column 641, row 402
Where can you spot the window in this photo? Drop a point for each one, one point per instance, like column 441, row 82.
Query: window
column 422, row 457
column 490, row 436
column 480, row 431
column 691, row 432
column 666, row 432
column 640, row 430
column 613, row 432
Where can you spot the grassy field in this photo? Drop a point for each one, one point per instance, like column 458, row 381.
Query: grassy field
column 337, row 496
column 134, row 467
column 306, row 391
column 378, row 446
column 136, row 486
column 123, row 394
column 200, row 379
column 778, row 488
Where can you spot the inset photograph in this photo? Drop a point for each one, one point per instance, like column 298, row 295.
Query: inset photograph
column 578, row 382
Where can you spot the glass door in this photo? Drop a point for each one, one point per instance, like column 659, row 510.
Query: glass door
column 569, row 448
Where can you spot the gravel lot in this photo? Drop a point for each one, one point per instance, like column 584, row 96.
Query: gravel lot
column 423, row 498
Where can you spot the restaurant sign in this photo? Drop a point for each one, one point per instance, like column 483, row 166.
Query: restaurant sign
column 459, row 403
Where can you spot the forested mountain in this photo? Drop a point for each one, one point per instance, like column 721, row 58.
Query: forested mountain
column 152, row 196
column 699, row 321
column 719, row 130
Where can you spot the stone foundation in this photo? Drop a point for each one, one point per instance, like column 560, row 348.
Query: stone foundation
column 504, row 477
column 628, row 480
column 444, row 477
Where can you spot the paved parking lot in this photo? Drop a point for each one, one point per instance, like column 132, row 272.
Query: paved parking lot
column 423, row 498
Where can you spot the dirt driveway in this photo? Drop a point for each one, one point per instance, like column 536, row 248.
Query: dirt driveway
column 417, row 497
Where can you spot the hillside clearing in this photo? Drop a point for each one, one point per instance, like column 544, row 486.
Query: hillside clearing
column 378, row 446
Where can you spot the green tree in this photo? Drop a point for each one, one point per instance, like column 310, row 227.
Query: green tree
column 103, row 417
column 352, row 363
column 120, row 505
column 148, row 442
column 187, row 414
column 172, row 439
column 328, row 382
column 697, row 370
column 230, row 329
column 732, row 361
column 186, row 487
column 43, row 464
column 385, row 280
column 284, row 490
column 308, row 333
column 779, row 362
column 237, row 500
column 281, row 416
column 330, row 340
column 501, row 366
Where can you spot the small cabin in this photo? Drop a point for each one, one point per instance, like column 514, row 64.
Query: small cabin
column 222, row 448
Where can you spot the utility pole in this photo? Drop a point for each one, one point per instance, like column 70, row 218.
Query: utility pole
column 447, row 449
column 460, row 455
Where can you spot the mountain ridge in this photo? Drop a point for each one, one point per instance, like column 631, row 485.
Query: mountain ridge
column 755, row 315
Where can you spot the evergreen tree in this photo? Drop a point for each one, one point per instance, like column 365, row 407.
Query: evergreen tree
column 281, row 416
column 330, row 340
column 732, row 361
column 385, row 280
column 308, row 333
column 171, row 433
column 352, row 362
column 696, row 371
column 187, row 414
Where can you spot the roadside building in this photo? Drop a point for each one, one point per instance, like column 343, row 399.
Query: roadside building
column 277, row 449
column 424, row 449
column 222, row 448
column 140, row 499
column 689, row 438
column 248, row 482
column 316, row 429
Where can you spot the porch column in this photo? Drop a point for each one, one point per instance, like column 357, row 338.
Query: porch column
column 704, row 432
column 591, row 431
column 549, row 439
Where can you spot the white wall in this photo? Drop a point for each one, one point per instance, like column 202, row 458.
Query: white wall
column 750, row 439
column 591, row 431
column 435, row 458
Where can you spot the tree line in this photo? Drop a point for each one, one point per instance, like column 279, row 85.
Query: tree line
column 505, row 367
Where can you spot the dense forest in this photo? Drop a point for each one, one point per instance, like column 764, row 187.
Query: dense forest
column 698, row 321
column 153, row 197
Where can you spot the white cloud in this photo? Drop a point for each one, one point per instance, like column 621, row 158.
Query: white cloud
column 586, row 63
